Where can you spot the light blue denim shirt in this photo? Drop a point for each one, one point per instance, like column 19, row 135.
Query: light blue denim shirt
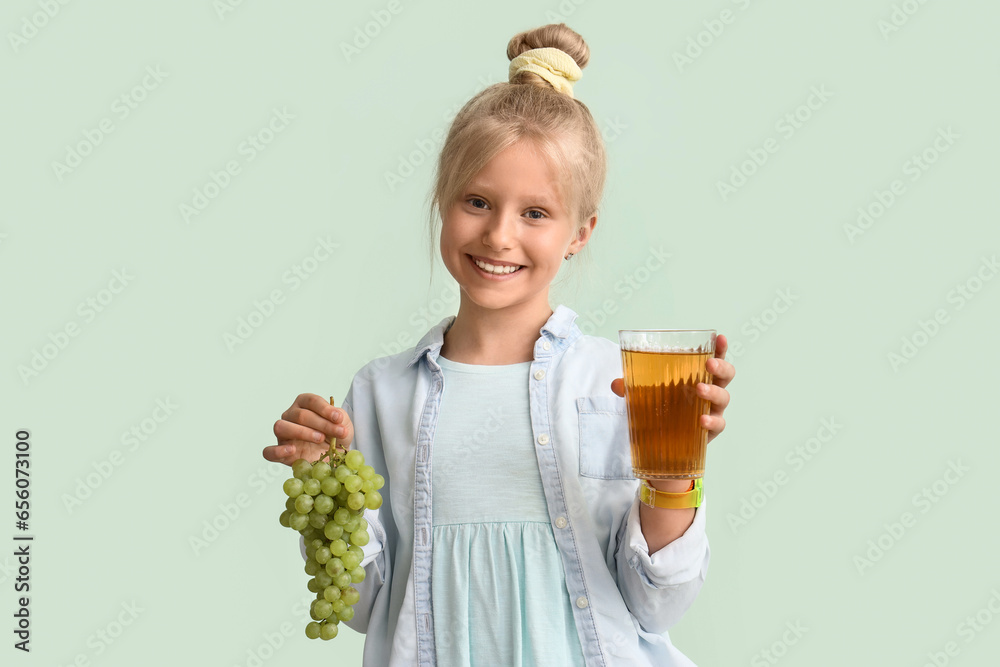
column 624, row 599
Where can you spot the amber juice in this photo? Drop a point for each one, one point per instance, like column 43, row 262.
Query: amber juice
column 664, row 412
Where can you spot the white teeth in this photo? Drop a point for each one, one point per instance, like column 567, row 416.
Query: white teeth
column 500, row 270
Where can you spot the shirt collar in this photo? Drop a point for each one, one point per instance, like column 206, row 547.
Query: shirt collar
column 559, row 324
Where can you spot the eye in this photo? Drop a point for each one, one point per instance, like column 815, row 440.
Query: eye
column 540, row 213
column 474, row 199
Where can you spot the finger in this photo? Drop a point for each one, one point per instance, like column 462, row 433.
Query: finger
column 320, row 406
column 618, row 386
column 722, row 371
column 718, row 396
column 302, row 425
column 721, row 345
column 713, row 423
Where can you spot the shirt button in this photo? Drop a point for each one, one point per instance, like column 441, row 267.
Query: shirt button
column 581, row 602
column 561, row 522
column 539, row 374
column 546, row 345
column 543, row 439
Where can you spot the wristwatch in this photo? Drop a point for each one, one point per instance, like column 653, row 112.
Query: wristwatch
column 653, row 497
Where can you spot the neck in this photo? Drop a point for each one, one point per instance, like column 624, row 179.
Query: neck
column 495, row 336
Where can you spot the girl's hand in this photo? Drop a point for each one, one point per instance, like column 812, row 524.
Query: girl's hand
column 723, row 373
column 304, row 430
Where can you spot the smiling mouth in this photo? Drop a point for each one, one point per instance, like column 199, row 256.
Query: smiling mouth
column 495, row 270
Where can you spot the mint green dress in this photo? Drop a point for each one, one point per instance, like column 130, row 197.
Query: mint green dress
column 498, row 589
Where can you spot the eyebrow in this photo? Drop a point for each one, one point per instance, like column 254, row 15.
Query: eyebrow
column 541, row 198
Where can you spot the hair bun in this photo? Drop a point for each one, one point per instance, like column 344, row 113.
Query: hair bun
column 550, row 56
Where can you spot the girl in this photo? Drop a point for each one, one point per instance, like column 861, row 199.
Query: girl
column 511, row 531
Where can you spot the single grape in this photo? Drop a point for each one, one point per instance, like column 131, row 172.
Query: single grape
column 292, row 487
column 357, row 551
column 313, row 613
column 323, row 554
column 328, row 630
column 342, row 516
column 346, row 614
column 357, row 575
column 356, row 501
column 304, row 504
column 298, row 520
column 350, row 561
column 338, row 547
column 363, row 523
column 350, row 595
column 331, row 593
column 342, row 473
column 342, row 580
column 342, row 497
column 320, row 470
column 301, row 468
column 289, row 503
column 313, row 585
column 353, row 524
column 354, row 459
column 353, row 484
column 335, row 566
column 379, row 481
column 313, row 630
column 317, row 520
column 283, row 518
column 338, row 606
column 367, row 486
column 359, row 537
column 373, row 500
column 315, row 543
column 312, row 567
column 323, row 578
column 333, row 530
column 311, row 486
column 330, row 486
column 366, row 472
column 323, row 608
column 323, row 504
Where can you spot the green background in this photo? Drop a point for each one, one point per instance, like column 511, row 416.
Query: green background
column 675, row 130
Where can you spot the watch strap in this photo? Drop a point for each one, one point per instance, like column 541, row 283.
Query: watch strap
column 653, row 497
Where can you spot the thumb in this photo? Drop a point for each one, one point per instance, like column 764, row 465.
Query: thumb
column 344, row 421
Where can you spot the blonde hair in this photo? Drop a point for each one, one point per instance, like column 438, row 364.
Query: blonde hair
column 526, row 107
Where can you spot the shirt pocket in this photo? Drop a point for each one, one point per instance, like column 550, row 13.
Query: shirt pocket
column 604, row 445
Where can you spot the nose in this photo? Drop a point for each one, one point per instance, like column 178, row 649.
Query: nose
column 501, row 230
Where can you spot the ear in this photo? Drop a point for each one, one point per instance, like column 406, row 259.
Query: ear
column 582, row 235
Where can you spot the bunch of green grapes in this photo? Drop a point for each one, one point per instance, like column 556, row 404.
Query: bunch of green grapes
column 326, row 501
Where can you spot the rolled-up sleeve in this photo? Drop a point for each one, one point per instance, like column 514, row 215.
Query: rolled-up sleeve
column 659, row 588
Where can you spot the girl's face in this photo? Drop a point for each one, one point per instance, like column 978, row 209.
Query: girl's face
column 512, row 213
